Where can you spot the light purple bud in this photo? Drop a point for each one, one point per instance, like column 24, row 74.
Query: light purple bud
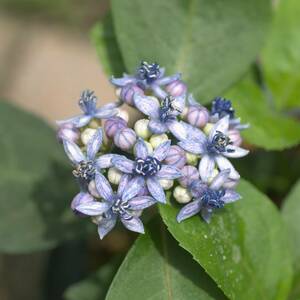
column 197, row 116
column 128, row 91
column 189, row 174
column 176, row 157
column 79, row 199
column 176, row 88
column 68, row 132
column 125, row 138
column 235, row 137
column 113, row 125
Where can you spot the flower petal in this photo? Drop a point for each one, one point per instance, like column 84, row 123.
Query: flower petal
column 81, row 198
column 123, row 164
column 133, row 187
column 78, row 121
column 192, row 146
column 94, row 144
column 105, row 160
column 162, row 150
column 235, row 151
column 177, row 129
column 94, row 208
column 133, row 224
column 141, row 202
column 155, row 189
column 223, row 163
column 123, row 183
column 158, row 91
column 103, row 187
column 194, row 133
column 206, row 215
column 168, row 79
column 105, row 113
column 231, row 196
column 222, row 126
column 189, row 210
column 74, row 152
column 122, row 81
column 220, row 179
column 140, row 148
column 146, row 105
column 157, row 127
column 169, row 172
column 206, row 167
column 106, row 225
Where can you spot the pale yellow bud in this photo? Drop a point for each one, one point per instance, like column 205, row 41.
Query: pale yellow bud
column 118, row 92
column 207, row 128
column 92, row 189
column 166, row 184
column 114, row 176
column 87, row 134
column 157, row 139
column 94, row 124
column 192, row 159
column 141, row 129
column 215, row 172
column 184, row 112
column 182, row 195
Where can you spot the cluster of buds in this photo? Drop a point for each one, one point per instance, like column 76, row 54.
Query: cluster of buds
column 177, row 145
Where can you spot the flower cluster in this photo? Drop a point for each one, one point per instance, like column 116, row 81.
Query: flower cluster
column 176, row 145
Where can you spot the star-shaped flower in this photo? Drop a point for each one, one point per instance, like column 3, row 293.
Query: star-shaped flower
column 87, row 103
column 208, row 197
column 123, row 204
column 214, row 149
column 147, row 168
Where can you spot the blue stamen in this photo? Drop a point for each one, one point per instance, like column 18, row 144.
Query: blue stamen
column 85, row 170
column 149, row 72
column 87, row 102
column 212, row 198
column 219, row 143
column 147, row 167
column 222, row 107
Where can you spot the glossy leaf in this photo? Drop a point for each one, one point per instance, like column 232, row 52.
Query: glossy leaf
column 243, row 248
column 157, row 268
column 211, row 43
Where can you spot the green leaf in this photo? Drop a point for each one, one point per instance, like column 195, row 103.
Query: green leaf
column 268, row 129
column 281, row 56
column 211, row 43
column 35, row 186
column 157, row 268
column 104, row 39
column 243, row 248
column 291, row 216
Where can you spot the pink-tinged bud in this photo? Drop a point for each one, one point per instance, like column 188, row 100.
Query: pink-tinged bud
column 125, row 138
column 197, row 116
column 128, row 91
column 235, row 137
column 176, row 88
column 113, row 125
column 81, row 198
column 68, row 132
column 176, row 157
column 189, row 174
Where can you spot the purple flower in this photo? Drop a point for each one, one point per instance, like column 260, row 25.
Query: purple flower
column 148, row 76
column 87, row 103
column 214, row 149
column 207, row 198
column 123, row 204
column 163, row 116
column 147, row 169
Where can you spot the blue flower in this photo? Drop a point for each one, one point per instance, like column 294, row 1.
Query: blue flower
column 148, row 76
column 207, row 198
column 123, row 204
column 163, row 116
column 214, row 149
column 147, row 169
column 87, row 103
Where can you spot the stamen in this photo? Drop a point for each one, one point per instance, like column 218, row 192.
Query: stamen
column 219, row 143
column 149, row 72
column 87, row 101
column 212, row 198
column 85, row 170
column 148, row 167
column 168, row 108
column 121, row 207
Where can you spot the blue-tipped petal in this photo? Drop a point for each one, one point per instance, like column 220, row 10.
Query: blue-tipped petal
column 133, row 188
column 133, row 224
column 157, row 127
column 169, row 172
column 189, row 210
column 206, row 167
column 74, row 152
column 141, row 150
column 231, row 196
column 123, row 164
column 94, row 208
column 162, row 150
column 103, row 187
column 106, row 225
column 146, row 105
column 155, row 190
column 141, row 202
column 94, row 144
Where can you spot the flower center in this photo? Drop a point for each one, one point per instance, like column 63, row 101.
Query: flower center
column 147, row 167
column 219, row 143
column 212, row 198
column 149, row 72
column 168, row 109
column 120, row 207
column 85, row 170
column 222, row 107
column 87, row 102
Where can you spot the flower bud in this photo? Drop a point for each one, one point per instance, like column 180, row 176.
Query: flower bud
column 235, row 137
column 92, row 189
column 114, row 176
column 81, row 198
column 184, row 112
column 125, row 138
column 182, row 195
column 87, row 134
column 118, row 92
column 166, row 184
column 189, row 174
column 128, row 91
column 214, row 173
column 192, row 159
column 141, row 128
column 68, row 132
column 123, row 114
column 157, row 139
column 176, row 88
column 94, row 124
column 176, row 157
column 112, row 125
column 197, row 116
column 208, row 127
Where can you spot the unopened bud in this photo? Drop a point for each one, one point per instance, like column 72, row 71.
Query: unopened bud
column 123, row 114
column 182, row 195
column 192, row 159
column 87, row 134
column 166, row 184
column 157, row 139
column 197, row 116
column 128, row 91
column 207, row 128
column 68, row 132
column 176, row 157
column 176, row 88
column 141, row 129
column 114, row 176
column 113, row 125
column 125, row 139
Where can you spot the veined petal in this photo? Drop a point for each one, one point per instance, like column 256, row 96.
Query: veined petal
column 105, row 160
column 106, row 225
column 235, row 151
column 223, row 163
column 169, row 172
column 194, row 133
column 168, row 79
column 122, row 81
column 155, row 189
column 177, row 129
column 78, row 121
column 133, row 187
column 133, row 224
column 191, row 146
column 146, row 105
column 206, row 167
column 94, row 144
column 141, row 202
column 157, row 127
column 162, row 150
column 231, row 196
column 222, row 126
column 189, row 210
column 113, row 105
column 74, row 152
column 94, row 208
column 123, row 183
column 123, row 164
column 141, row 150
column 158, row 91
column 103, row 187
column 105, row 113
column 220, row 179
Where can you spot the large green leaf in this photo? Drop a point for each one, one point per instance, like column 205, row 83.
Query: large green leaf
column 281, row 55
column 291, row 216
column 157, row 268
column 35, row 190
column 268, row 129
column 243, row 248
column 210, row 42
